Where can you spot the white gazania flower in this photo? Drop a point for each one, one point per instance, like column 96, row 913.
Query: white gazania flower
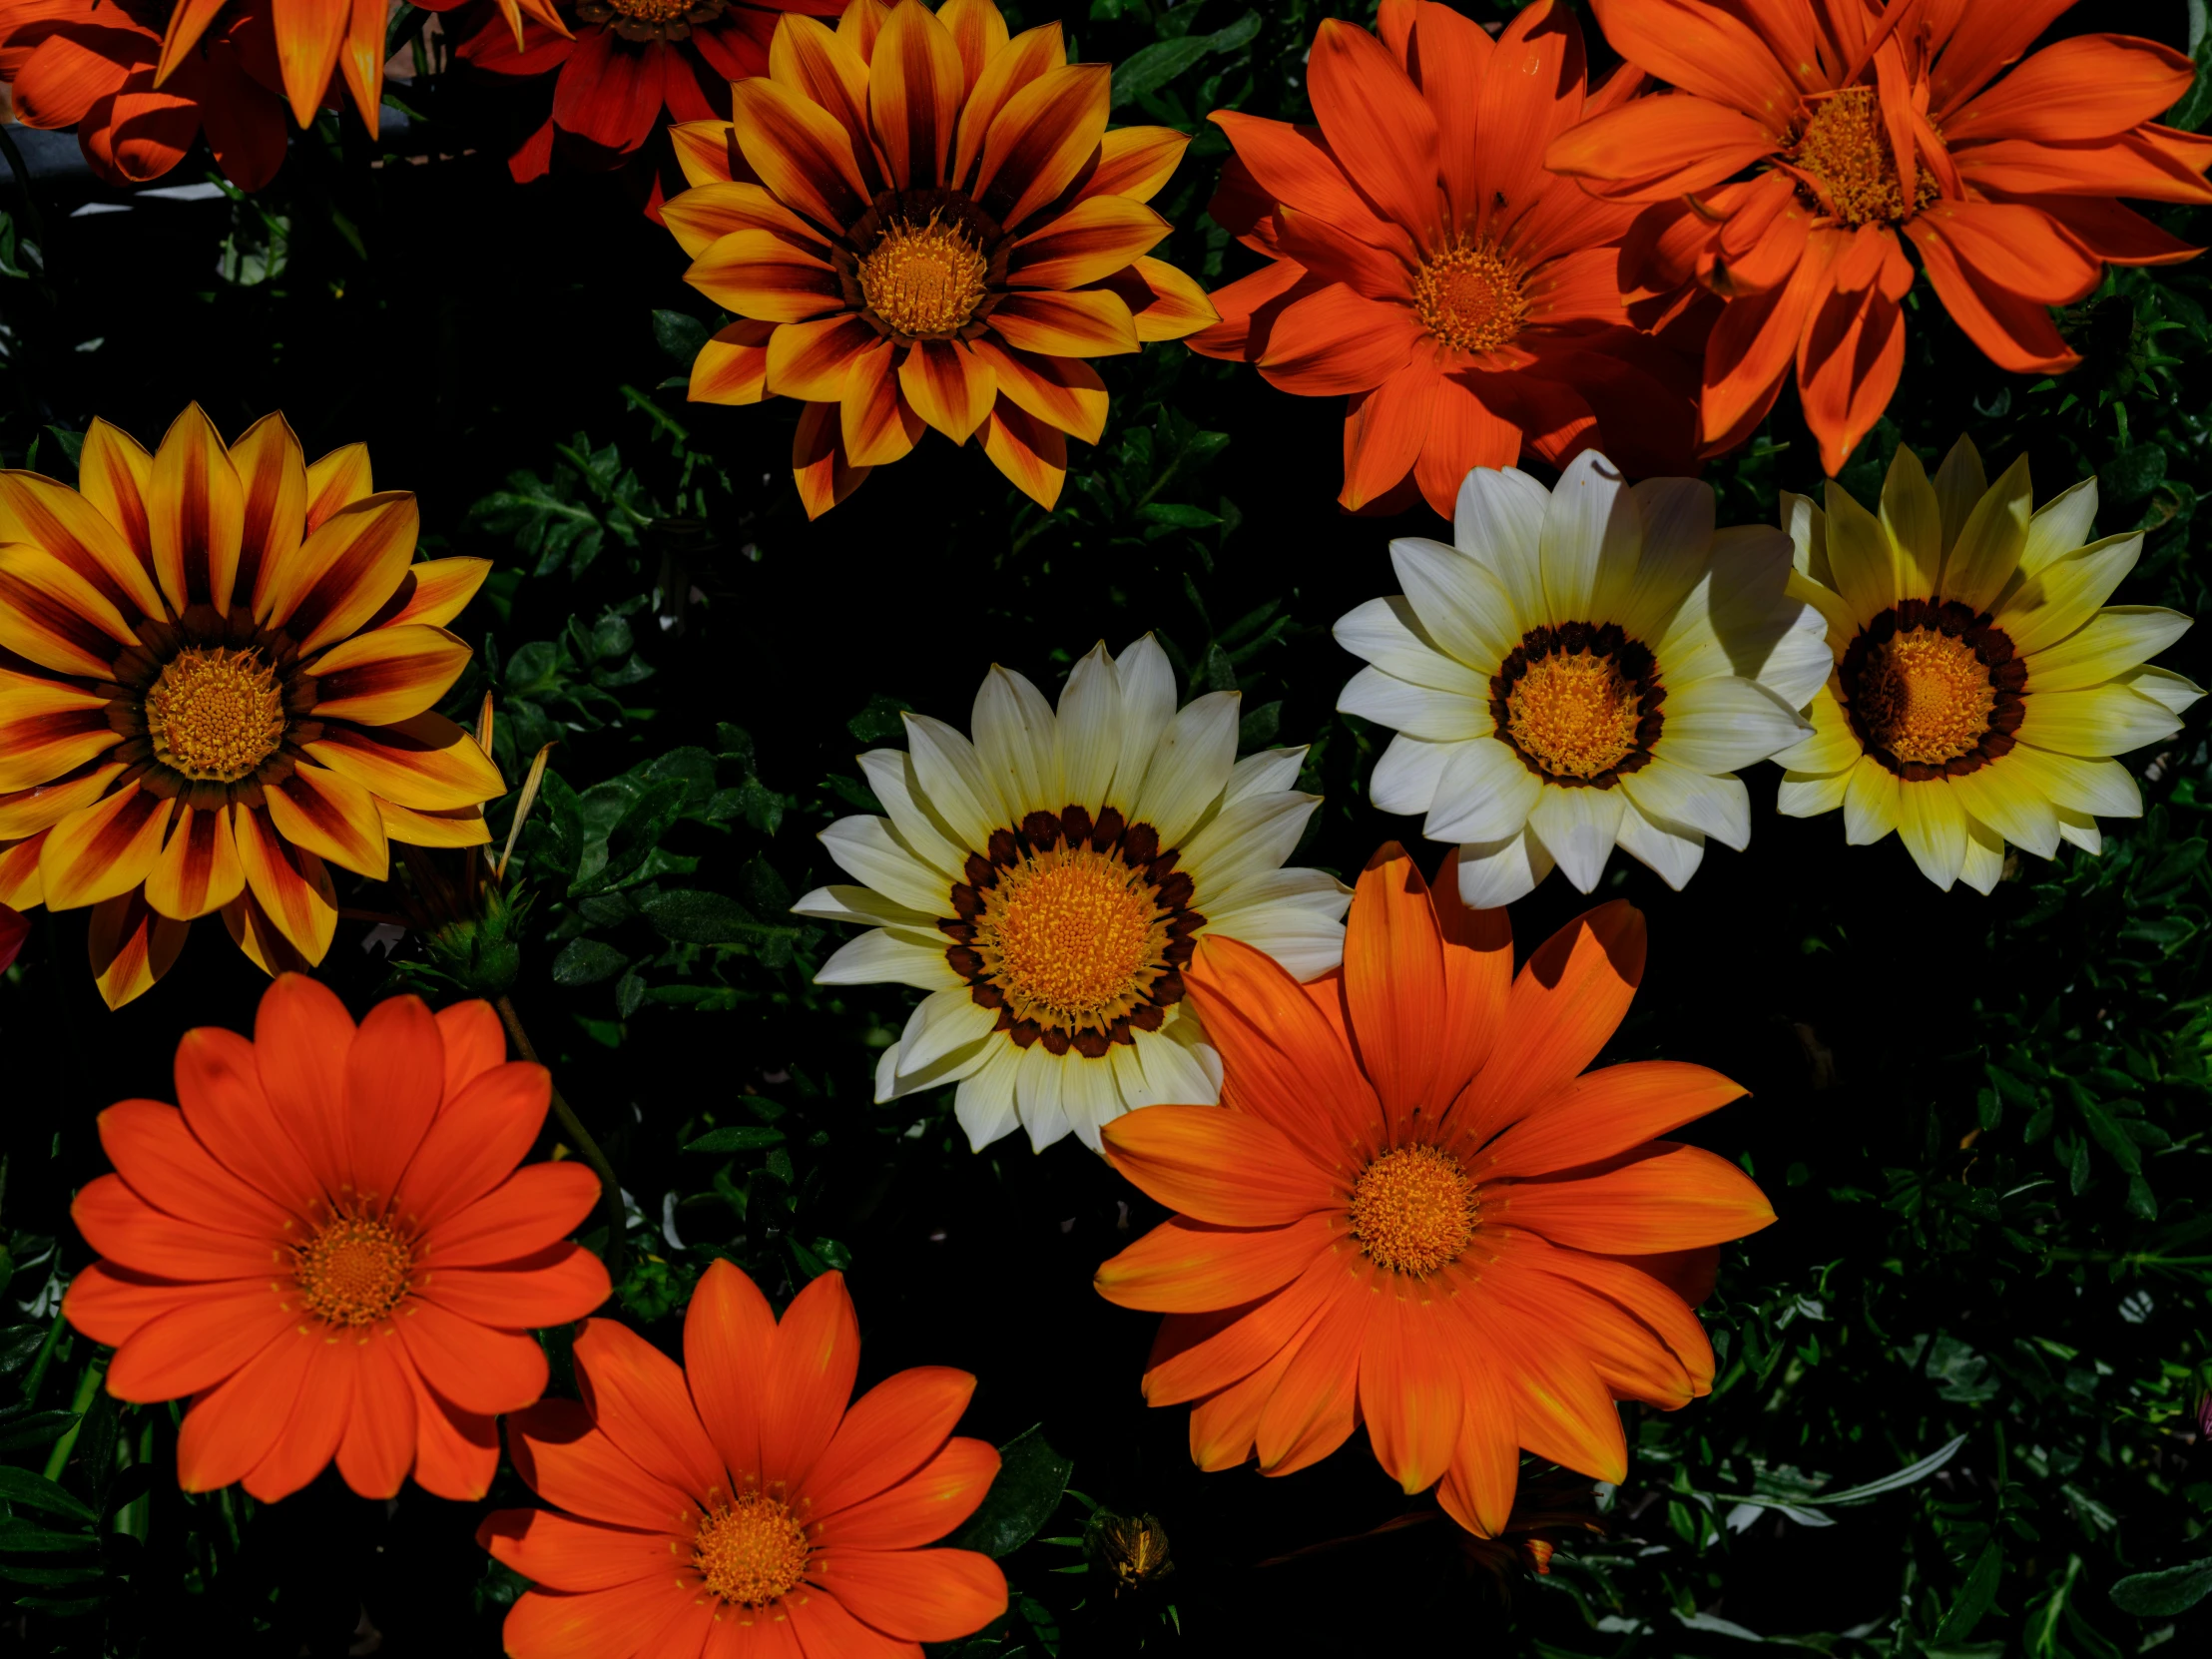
column 1047, row 884
column 1586, row 668
column 1981, row 685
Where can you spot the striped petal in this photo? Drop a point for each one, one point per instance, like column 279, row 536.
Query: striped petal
column 1041, row 140
column 195, row 514
column 109, row 546
column 345, row 570
column 1135, row 162
column 760, row 275
column 131, row 946
column 1065, row 393
column 48, row 730
column 56, row 618
column 387, row 674
column 915, row 82
column 432, row 593
column 338, row 480
column 115, row 475
column 799, row 150
column 104, row 851
column 198, row 872
column 1092, row 239
column 426, row 763
column 1090, row 322
column 949, row 386
column 332, row 817
column 1014, row 67
column 731, row 368
column 700, row 217
column 272, row 478
column 293, row 890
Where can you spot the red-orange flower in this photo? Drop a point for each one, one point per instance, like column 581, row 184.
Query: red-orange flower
column 738, row 1505
column 331, row 1249
column 1427, row 264
column 1413, row 1209
column 1803, row 141
column 94, row 65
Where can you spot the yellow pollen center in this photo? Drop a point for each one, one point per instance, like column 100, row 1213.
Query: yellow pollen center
column 353, row 1271
column 1575, row 714
column 1068, row 934
column 1924, row 696
column 924, row 280
column 1846, row 147
column 1413, row 1210
column 751, row 1551
column 1471, row 297
column 214, row 715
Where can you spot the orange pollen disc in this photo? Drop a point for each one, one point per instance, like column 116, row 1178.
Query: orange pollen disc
column 353, row 1271
column 1846, row 145
column 214, row 715
column 1575, row 715
column 751, row 1551
column 1471, row 297
column 924, row 280
column 1413, row 1210
column 1073, row 937
column 1924, row 696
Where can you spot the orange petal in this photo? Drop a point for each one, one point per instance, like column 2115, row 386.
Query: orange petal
column 232, row 1429
column 1605, row 1112
column 1225, row 1426
column 536, row 1207
column 1094, row 238
column 875, row 424
column 1394, row 990
column 108, row 1303
column 387, row 674
column 345, row 570
column 811, row 1367
column 1652, row 1301
column 1335, row 340
column 1663, row 1196
column 1411, row 1393
column 218, row 1087
column 432, row 593
column 568, row 1463
column 1291, row 166
column 290, row 884
column 1219, row 1350
column 948, row 385
column 1029, row 55
column 558, row 1285
column 637, row 1398
column 762, row 276
column 1380, row 130
column 1962, row 255
column 799, row 150
column 731, row 368
column 920, row 1509
column 564, row 1554
column 1065, row 393
column 1091, row 322
column 1225, row 1167
column 813, row 361
column 206, row 1335
column 57, row 618
column 309, row 35
column 395, row 1079
column 272, row 479
column 889, row 1432
column 457, row 1451
column 1477, row 1490
column 1041, row 140
column 1479, row 969
column 1135, row 162
column 475, row 1142
column 198, row 872
column 195, row 514
column 1313, row 1409
column 1384, row 428
column 159, row 1159
column 104, row 851
column 361, row 60
column 131, row 1233
column 1189, row 1266
column 115, row 475
column 1560, row 1407
column 378, row 1444
column 1032, row 453
column 915, row 1595
column 2088, row 87
column 823, row 471
column 428, row 763
column 915, row 82
column 339, row 480
column 476, row 1368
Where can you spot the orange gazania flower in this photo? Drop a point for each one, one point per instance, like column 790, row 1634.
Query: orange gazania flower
column 1427, row 263
column 218, row 669
column 329, row 1248
column 306, row 41
column 737, row 1504
column 1805, row 144
column 93, row 64
column 1413, row 1209
column 922, row 223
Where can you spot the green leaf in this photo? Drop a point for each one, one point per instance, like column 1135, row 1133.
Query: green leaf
column 1974, row 1600
column 736, row 1137
column 22, row 1536
column 1156, row 64
column 679, row 334
column 22, row 1486
column 587, row 962
column 2162, row 1594
column 694, row 918
column 1032, row 1478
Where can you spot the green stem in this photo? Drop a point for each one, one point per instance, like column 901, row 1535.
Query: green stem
column 35, row 220
column 87, row 1386
column 573, row 1127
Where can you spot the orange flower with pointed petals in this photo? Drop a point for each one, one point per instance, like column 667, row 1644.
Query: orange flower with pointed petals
column 1414, row 1209
column 217, row 669
column 923, row 222
column 1804, row 145
column 331, row 1250
column 738, row 1503
column 311, row 41
column 1425, row 263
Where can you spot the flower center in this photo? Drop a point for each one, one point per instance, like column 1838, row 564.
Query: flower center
column 751, row 1551
column 1075, row 929
column 1931, row 688
column 650, row 19
column 1579, row 703
column 1469, row 297
column 353, row 1271
column 1413, row 1210
column 1845, row 149
column 214, row 715
column 926, row 278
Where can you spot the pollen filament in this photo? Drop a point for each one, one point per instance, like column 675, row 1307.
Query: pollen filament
column 1924, row 696
column 751, row 1550
column 354, row 1271
column 1845, row 148
column 1471, row 297
column 1579, row 703
column 214, row 715
column 1069, row 934
column 924, row 280
column 1413, row 1210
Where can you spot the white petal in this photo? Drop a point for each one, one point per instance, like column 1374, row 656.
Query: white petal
column 1018, row 741
column 1443, row 717
column 863, row 904
column 1129, row 1074
column 948, row 1020
column 953, row 783
column 1306, row 941
column 2062, row 525
column 1721, row 723
column 1090, row 722
column 1460, row 603
column 1190, row 766
column 1674, row 857
column 1266, row 773
column 1677, row 516
column 1494, row 874
column 882, row 956
column 1500, row 524
column 1717, row 806
column 1308, row 889
column 1037, row 1087
column 1590, row 526
column 891, row 774
column 1405, row 778
column 2162, row 686
column 893, row 1081
column 1578, row 828
column 984, row 1104
column 1243, row 839
column 1179, row 1054
column 868, row 850
column 1484, row 794
column 2085, row 787
column 886, row 1075
column 1389, row 634
column 1984, row 864
column 1146, row 705
column 2115, row 639
column 1805, row 795
column 2081, row 829
column 1089, row 1095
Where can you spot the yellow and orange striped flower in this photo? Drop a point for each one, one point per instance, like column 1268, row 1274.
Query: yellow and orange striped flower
column 921, row 222
column 1413, row 1209
column 217, row 671
column 1805, row 144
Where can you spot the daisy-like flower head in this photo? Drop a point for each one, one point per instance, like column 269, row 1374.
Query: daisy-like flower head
column 305, row 43
column 739, row 1505
column 329, row 1248
column 1862, row 125
column 217, row 669
column 1047, row 884
column 1981, row 685
column 1583, row 669
column 1413, row 1209
column 1428, row 266
column 923, row 222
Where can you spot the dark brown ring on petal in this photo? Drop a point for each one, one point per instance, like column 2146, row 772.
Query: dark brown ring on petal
column 1992, row 648
column 1636, row 672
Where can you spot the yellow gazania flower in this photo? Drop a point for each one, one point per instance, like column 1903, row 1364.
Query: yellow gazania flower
column 921, row 222
column 1981, row 684
column 218, row 669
